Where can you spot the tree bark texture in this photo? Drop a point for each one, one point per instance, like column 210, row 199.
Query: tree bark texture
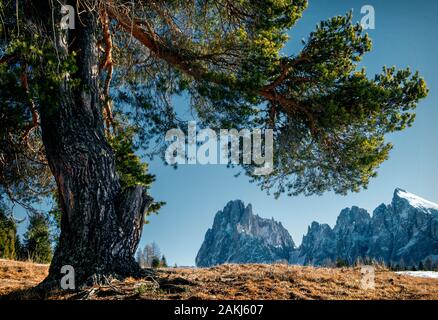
column 101, row 225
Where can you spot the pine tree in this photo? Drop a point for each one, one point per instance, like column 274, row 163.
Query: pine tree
column 8, row 235
column 341, row 263
column 20, row 255
column 37, row 244
column 163, row 262
column 155, row 262
column 329, row 117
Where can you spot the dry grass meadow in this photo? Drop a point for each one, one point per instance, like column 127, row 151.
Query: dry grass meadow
column 245, row 282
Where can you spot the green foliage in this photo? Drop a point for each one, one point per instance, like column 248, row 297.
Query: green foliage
column 330, row 119
column 341, row 263
column 150, row 255
column 333, row 118
column 131, row 170
column 155, row 262
column 163, row 262
column 37, row 244
column 30, row 76
column 24, row 172
column 8, row 235
column 231, row 48
column 19, row 250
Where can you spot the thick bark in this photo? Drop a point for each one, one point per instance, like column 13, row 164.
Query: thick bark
column 100, row 225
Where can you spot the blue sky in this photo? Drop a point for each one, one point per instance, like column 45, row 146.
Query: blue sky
column 405, row 35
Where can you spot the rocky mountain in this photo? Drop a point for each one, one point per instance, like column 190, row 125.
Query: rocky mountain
column 405, row 232
column 239, row 236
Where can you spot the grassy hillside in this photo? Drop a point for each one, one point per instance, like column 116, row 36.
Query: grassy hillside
column 231, row 282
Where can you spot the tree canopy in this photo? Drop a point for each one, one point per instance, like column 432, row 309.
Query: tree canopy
column 329, row 117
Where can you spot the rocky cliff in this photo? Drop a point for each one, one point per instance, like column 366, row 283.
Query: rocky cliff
column 405, row 232
column 239, row 236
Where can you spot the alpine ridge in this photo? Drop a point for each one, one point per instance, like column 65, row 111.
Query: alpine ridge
column 403, row 233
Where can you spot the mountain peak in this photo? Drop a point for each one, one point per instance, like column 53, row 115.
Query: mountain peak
column 240, row 236
column 414, row 200
column 235, row 204
column 399, row 190
column 404, row 232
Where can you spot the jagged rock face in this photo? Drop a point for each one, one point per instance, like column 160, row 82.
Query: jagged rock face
column 409, row 229
column 352, row 232
column 239, row 236
column 404, row 232
column 318, row 246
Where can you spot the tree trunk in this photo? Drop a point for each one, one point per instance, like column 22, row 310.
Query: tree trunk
column 101, row 225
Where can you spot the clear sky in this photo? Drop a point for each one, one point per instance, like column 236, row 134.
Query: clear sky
column 405, row 35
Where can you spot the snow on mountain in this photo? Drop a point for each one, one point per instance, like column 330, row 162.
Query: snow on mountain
column 416, row 201
column 404, row 233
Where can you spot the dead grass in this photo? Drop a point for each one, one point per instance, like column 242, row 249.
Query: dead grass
column 238, row 282
column 18, row 275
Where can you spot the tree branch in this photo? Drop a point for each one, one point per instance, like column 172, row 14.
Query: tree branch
column 35, row 116
column 187, row 64
column 108, row 65
column 156, row 47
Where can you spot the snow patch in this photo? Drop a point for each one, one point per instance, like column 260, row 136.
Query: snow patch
column 420, row 274
column 417, row 201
